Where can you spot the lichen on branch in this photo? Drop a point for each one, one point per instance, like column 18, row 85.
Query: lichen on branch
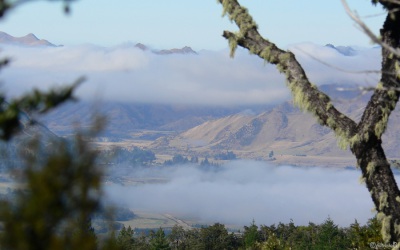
column 305, row 95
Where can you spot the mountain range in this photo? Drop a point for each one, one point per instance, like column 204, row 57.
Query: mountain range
column 294, row 136
column 30, row 40
column 250, row 132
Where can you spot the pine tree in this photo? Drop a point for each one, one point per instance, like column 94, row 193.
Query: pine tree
column 125, row 238
column 159, row 241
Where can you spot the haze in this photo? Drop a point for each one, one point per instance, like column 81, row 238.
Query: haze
column 128, row 74
column 241, row 191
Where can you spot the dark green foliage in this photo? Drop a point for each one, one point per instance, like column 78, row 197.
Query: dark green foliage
column 176, row 237
column 205, row 162
column 229, row 155
column 360, row 236
column 117, row 213
column 251, row 236
column 125, row 239
column 215, row 237
column 159, row 241
column 330, row 236
column 4, row 7
column 37, row 101
column 123, row 214
column 177, row 159
column 134, row 157
column 194, row 159
column 55, row 207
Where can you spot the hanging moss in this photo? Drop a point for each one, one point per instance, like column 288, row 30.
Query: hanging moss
column 385, row 231
column 380, row 126
column 383, row 200
column 371, row 168
column 233, row 46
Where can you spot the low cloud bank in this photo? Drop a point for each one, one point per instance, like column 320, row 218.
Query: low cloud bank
column 126, row 73
column 242, row 191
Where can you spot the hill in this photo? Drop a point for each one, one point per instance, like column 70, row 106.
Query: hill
column 127, row 121
column 28, row 40
column 293, row 136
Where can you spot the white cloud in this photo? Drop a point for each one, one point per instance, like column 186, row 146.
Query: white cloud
column 125, row 73
column 245, row 190
column 310, row 56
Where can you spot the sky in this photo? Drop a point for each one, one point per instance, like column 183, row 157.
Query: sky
column 165, row 24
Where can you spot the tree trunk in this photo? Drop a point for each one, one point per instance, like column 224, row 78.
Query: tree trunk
column 381, row 184
column 364, row 138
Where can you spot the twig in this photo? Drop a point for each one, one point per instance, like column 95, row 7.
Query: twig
column 354, row 16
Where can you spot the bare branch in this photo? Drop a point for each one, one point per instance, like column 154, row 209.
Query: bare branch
column 364, row 138
column 305, row 95
column 391, row 1
column 354, row 16
column 338, row 68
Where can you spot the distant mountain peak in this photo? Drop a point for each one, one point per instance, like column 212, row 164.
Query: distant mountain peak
column 31, row 36
column 141, row 46
column 184, row 50
column 29, row 40
column 344, row 50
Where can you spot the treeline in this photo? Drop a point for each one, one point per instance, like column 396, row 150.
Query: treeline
column 143, row 157
column 180, row 159
column 132, row 157
column 327, row 235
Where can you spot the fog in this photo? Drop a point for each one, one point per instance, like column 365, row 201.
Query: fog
column 241, row 191
column 126, row 73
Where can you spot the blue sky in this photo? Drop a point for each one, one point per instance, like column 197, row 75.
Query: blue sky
column 196, row 23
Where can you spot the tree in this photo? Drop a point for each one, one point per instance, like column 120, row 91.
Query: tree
column 62, row 192
column 125, row 238
column 251, row 235
column 214, row 237
column 363, row 138
column 177, row 237
column 360, row 237
column 159, row 241
column 330, row 236
column 35, row 102
column 62, row 183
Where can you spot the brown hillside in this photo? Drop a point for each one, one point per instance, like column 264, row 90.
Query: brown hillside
column 284, row 130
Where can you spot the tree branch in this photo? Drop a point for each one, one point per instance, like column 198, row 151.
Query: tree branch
column 364, row 138
column 36, row 101
column 305, row 95
column 367, row 30
column 386, row 95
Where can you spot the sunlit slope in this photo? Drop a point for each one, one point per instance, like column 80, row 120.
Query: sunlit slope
column 285, row 130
